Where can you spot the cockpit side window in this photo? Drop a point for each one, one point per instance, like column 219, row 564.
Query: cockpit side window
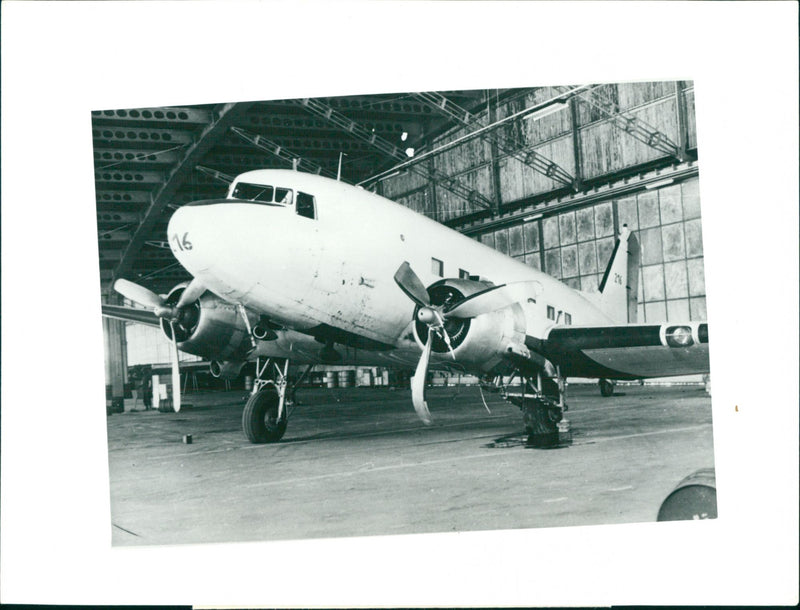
column 305, row 205
column 283, row 196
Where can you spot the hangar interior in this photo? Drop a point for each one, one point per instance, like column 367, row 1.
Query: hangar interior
column 547, row 175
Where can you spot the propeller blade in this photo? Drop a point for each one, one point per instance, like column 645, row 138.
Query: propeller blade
column 191, row 293
column 138, row 294
column 176, row 372
column 410, row 283
column 494, row 298
column 418, row 383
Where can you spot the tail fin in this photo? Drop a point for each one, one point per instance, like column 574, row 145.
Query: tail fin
column 619, row 290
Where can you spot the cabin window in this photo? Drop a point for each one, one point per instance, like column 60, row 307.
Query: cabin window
column 567, row 319
column 551, row 312
column 463, row 275
column 437, row 267
column 305, row 205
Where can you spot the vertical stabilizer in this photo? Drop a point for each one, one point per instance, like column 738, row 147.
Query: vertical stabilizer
column 619, row 290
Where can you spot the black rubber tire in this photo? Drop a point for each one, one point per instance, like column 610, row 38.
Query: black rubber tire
column 259, row 419
column 606, row 388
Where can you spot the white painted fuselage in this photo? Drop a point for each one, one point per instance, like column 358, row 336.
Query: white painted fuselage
column 337, row 269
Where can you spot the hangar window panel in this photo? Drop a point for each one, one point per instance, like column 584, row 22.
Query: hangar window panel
column 531, row 233
column 697, row 309
column 690, row 194
column 585, row 221
column 305, row 206
column 587, row 258
column 676, row 281
column 648, row 209
column 655, row 312
column 534, row 260
column 567, row 225
column 650, row 240
column 589, row 283
column 670, row 202
column 694, row 238
column 550, row 229
column 678, row 311
column 573, row 282
column 552, row 263
column 488, row 239
column 605, row 247
column 569, row 261
column 674, row 245
column 501, row 241
column 628, row 214
column 697, row 277
column 437, row 267
column 515, row 246
column 653, row 283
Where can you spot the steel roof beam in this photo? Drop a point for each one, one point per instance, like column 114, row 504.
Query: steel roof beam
column 210, row 135
column 531, row 158
column 142, row 136
column 297, row 122
column 110, row 158
column 633, row 126
column 390, row 150
column 148, row 116
column 281, row 152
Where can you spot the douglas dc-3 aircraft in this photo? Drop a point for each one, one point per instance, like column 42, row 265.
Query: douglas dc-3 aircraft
column 294, row 266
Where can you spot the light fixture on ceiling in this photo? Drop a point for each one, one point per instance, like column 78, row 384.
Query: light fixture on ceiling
column 410, row 152
column 404, row 137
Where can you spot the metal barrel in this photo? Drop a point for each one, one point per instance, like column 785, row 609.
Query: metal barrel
column 347, row 379
column 695, row 497
column 330, row 379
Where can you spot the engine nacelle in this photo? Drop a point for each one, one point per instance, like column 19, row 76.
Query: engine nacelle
column 478, row 343
column 226, row 369
column 209, row 327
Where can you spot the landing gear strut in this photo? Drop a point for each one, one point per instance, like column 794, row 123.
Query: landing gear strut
column 542, row 405
column 265, row 415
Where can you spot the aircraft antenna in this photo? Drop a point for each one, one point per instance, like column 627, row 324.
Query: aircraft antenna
column 339, row 173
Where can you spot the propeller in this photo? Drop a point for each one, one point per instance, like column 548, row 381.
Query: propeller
column 172, row 314
column 434, row 316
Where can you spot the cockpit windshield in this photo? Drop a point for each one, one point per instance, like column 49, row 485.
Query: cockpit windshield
column 262, row 193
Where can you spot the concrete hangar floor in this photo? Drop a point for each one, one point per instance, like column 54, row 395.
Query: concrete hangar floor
column 358, row 462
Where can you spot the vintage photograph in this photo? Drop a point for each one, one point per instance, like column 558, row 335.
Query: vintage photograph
column 404, row 313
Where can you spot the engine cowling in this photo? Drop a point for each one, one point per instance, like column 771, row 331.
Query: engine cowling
column 209, row 327
column 478, row 343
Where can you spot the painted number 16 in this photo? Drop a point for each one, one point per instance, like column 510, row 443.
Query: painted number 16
column 182, row 243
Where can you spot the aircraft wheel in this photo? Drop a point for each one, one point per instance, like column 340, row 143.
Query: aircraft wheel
column 260, row 418
column 606, row 388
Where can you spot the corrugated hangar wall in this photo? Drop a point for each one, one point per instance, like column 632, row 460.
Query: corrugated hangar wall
column 574, row 242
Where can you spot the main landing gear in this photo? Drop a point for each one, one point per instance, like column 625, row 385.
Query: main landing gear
column 265, row 415
column 542, row 403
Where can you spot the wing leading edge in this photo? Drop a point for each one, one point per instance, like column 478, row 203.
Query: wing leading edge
column 627, row 351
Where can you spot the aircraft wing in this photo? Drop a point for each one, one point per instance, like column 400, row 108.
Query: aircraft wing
column 131, row 314
column 627, row 351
